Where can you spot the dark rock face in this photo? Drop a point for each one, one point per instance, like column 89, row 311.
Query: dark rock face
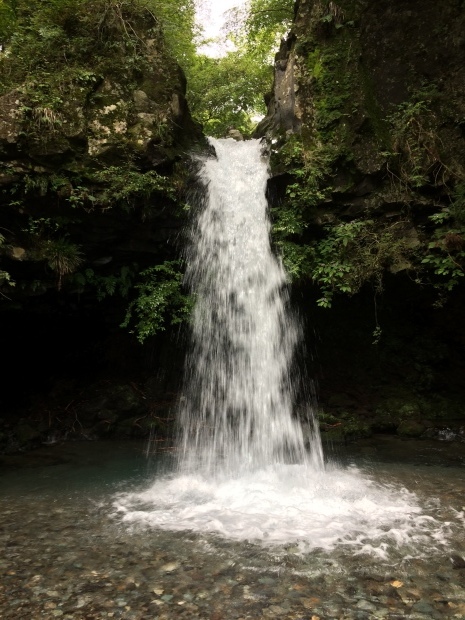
column 366, row 123
column 283, row 114
column 378, row 54
column 404, row 43
column 94, row 162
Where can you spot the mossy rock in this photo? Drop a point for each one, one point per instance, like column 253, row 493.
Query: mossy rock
column 395, row 409
column 443, row 411
column 411, row 428
column 27, row 434
column 125, row 401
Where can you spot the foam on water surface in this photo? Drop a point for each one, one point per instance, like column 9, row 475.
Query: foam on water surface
column 285, row 504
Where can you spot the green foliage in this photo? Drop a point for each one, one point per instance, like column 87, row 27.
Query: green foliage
column 7, row 20
column 258, row 25
column 332, row 85
column 42, row 226
column 288, row 224
column 312, row 157
column 60, row 53
column 227, row 92
column 352, row 253
column 311, row 168
column 457, row 207
column 416, row 146
column 297, row 258
column 445, row 265
column 57, row 43
column 120, row 186
column 5, row 277
column 160, row 296
column 179, row 29
column 62, row 257
column 445, row 254
column 290, row 219
column 109, row 187
column 127, row 187
column 107, row 286
column 287, row 220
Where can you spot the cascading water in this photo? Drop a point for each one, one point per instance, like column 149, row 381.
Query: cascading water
column 244, row 470
column 237, row 411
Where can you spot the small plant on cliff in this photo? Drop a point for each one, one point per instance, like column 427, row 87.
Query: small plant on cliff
column 353, row 253
column 109, row 285
column 160, row 301
column 416, row 143
column 62, row 257
column 310, row 169
column 130, row 187
column 5, row 277
column 445, row 255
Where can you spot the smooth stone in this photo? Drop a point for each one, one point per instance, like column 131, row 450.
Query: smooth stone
column 365, row 605
column 268, row 581
column 170, row 567
column 423, row 607
column 167, row 598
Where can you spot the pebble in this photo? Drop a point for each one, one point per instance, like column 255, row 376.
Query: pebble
column 169, row 568
column 366, row 605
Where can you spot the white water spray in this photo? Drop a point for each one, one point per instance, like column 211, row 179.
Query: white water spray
column 244, row 469
column 237, row 412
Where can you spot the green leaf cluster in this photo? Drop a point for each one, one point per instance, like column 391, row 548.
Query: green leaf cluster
column 107, row 286
column 127, row 188
column 353, row 253
column 62, row 256
column 445, row 254
column 160, row 301
column 416, row 145
column 5, row 277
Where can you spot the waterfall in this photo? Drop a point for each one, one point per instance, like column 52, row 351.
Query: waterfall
column 244, row 471
column 236, row 412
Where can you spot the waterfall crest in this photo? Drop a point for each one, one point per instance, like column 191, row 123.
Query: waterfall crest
column 236, row 412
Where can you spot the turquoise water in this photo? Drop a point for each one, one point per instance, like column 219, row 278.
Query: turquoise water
column 67, row 555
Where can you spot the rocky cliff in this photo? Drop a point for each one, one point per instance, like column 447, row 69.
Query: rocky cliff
column 94, row 136
column 366, row 124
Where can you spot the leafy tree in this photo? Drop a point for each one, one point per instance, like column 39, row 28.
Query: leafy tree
column 179, row 28
column 40, row 31
column 259, row 24
column 228, row 91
